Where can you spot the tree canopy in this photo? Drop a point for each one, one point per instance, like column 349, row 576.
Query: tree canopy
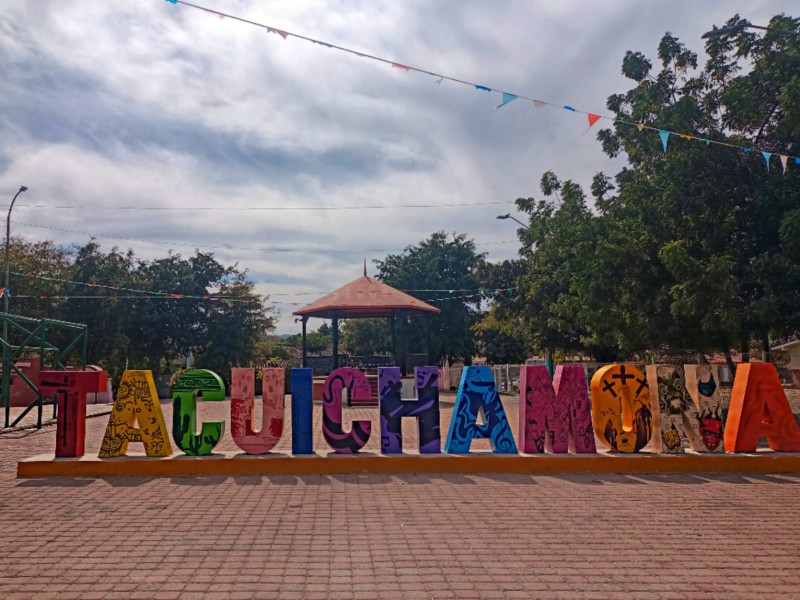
column 133, row 330
column 440, row 262
column 691, row 249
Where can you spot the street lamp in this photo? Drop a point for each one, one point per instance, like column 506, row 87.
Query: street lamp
column 508, row 216
column 743, row 25
column 22, row 188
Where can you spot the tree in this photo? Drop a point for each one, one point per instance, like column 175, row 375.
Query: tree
column 316, row 341
column 367, row 337
column 718, row 227
column 109, row 320
column 236, row 327
column 439, row 263
column 36, row 262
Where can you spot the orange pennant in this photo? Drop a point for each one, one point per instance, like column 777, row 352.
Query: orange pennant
column 593, row 119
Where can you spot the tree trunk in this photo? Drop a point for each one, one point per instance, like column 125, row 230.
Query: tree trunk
column 765, row 353
column 729, row 362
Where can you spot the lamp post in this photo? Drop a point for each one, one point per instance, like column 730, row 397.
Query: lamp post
column 508, row 216
column 743, row 25
column 22, row 188
column 548, row 352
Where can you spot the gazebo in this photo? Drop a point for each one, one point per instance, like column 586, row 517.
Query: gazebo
column 366, row 298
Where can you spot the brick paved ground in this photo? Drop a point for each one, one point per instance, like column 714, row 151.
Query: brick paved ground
column 412, row 536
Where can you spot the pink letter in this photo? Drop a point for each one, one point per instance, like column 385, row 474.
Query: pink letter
column 243, row 406
column 556, row 420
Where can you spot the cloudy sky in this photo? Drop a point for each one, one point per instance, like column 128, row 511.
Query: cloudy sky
column 148, row 105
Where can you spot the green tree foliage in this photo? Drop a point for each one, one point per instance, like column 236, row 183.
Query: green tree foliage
column 145, row 332
column 693, row 249
column 316, row 341
column 441, row 262
column 367, row 337
column 36, row 259
column 718, row 230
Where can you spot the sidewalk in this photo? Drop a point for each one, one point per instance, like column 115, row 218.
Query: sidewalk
column 356, row 536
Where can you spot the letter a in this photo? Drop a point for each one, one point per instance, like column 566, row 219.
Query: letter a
column 136, row 401
column 759, row 408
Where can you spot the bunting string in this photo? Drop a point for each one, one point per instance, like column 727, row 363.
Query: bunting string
column 506, row 96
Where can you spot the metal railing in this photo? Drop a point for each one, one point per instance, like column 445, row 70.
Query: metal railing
column 25, row 337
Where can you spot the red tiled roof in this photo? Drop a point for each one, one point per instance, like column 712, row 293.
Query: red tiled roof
column 364, row 297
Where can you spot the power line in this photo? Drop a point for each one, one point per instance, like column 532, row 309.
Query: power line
column 228, row 247
column 257, row 208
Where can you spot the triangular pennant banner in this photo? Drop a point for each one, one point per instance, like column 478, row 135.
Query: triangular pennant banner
column 685, row 137
column 539, row 104
column 569, row 108
column 745, row 150
column 664, row 138
column 593, row 119
column 399, row 66
column 283, row 34
column 640, row 126
column 507, row 98
column 784, row 160
column 483, row 88
column 767, row 156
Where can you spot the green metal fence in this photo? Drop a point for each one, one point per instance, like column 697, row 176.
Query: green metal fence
column 26, row 337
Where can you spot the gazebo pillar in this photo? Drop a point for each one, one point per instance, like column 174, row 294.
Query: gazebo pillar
column 430, row 339
column 335, row 340
column 403, row 344
column 393, row 324
column 304, row 320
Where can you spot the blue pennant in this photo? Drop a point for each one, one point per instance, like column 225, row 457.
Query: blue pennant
column 507, row 98
column 664, row 138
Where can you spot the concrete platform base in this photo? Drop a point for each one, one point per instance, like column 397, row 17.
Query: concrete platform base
column 232, row 463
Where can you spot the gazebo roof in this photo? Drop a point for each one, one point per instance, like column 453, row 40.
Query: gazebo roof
column 364, row 297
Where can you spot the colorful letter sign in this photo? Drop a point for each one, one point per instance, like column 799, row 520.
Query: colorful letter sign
column 243, row 409
column 759, row 408
column 136, row 402
column 477, row 393
column 701, row 384
column 302, row 411
column 71, row 388
column 184, row 411
column 672, row 409
column 621, row 407
column 425, row 408
column 357, row 385
column 557, row 420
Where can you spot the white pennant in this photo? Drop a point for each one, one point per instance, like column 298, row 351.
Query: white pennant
column 784, row 160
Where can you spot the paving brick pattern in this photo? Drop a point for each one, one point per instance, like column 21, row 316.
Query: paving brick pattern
column 414, row 536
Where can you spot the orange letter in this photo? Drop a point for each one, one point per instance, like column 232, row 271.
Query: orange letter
column 759, row 408
column 621, row 407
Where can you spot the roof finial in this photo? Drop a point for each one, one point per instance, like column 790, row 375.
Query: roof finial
column 365, row 267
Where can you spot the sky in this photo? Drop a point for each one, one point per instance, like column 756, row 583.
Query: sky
column 162, row 127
